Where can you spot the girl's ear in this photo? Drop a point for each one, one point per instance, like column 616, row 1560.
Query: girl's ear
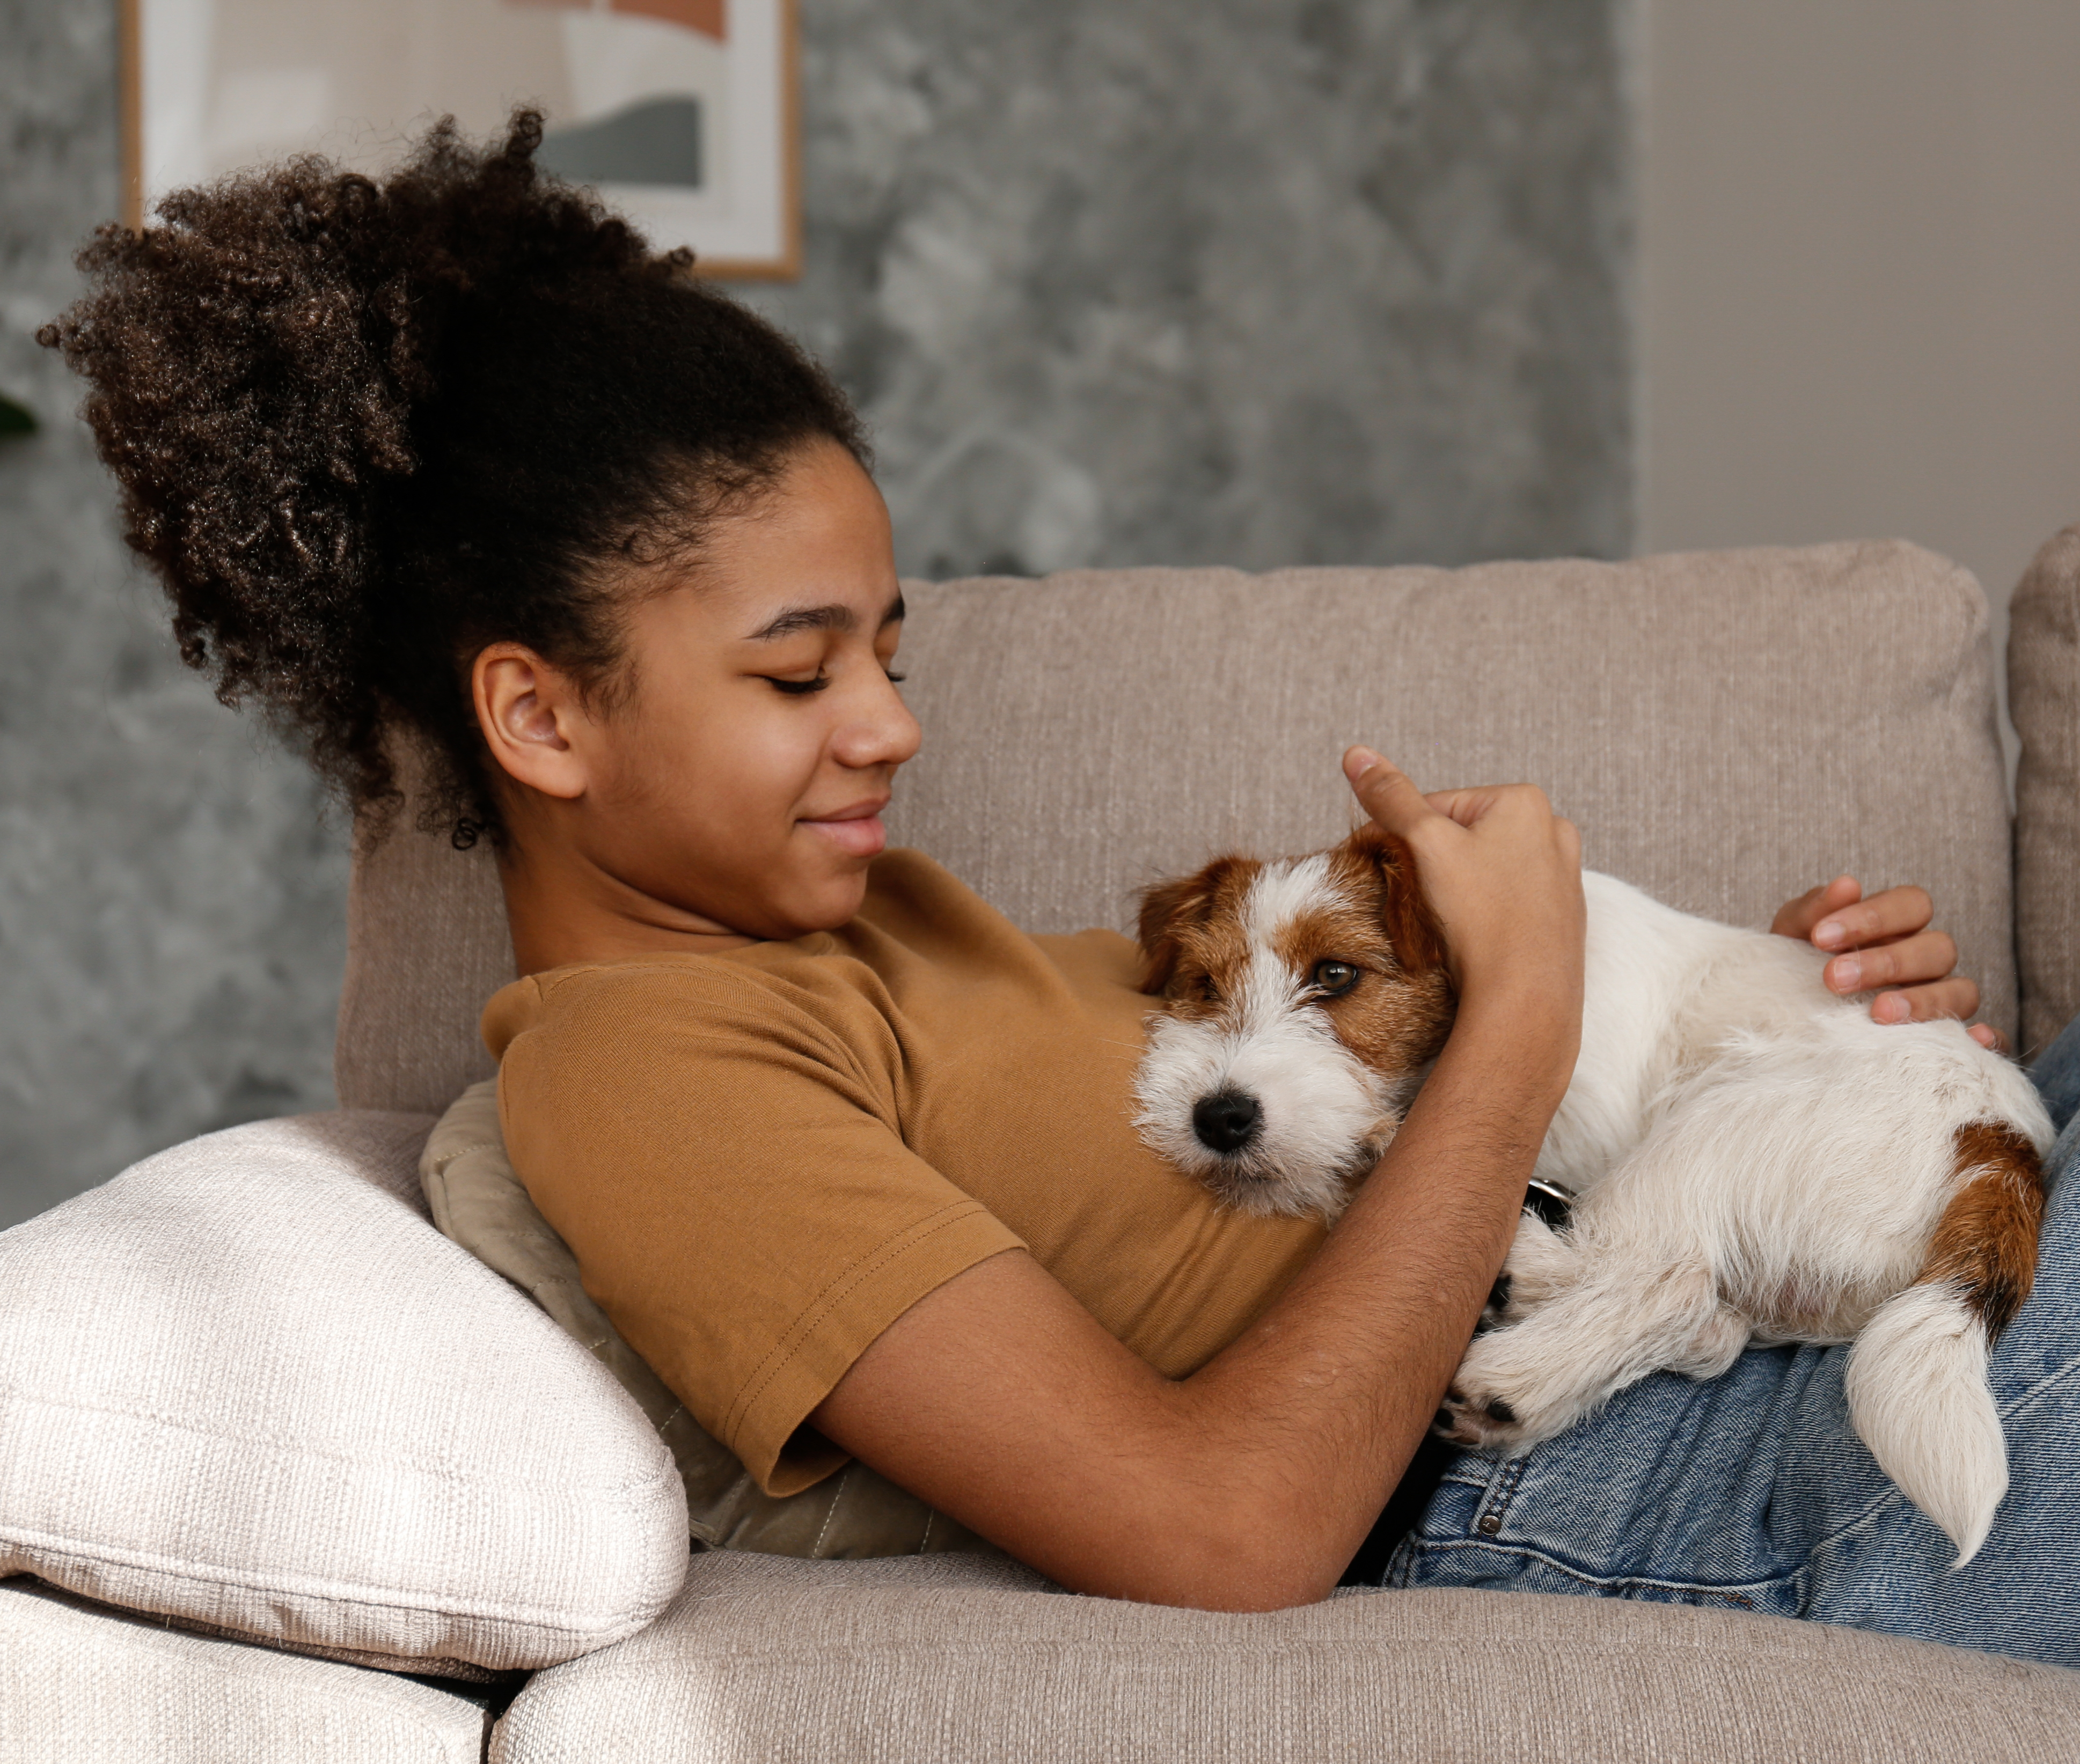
column 1168, row 909
column 1412, row 927
column 527, row 711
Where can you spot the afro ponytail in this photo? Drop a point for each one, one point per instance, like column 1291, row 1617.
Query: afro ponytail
column 365, row 426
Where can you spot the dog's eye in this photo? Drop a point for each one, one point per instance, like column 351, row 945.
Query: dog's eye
column 1334, row 978
column 1203, row 988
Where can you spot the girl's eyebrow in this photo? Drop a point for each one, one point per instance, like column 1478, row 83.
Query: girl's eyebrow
column 834, row 617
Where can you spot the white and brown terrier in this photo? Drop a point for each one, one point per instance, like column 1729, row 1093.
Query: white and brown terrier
column 1751, row 1157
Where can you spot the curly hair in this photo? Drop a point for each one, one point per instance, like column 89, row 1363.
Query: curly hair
column 364, row 427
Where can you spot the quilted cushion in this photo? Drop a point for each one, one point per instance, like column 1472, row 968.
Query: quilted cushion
column 247, row 1384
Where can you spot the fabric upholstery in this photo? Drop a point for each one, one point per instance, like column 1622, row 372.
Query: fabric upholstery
column 427, row 944
column 1727, row 728
column 479, row 1201
column 247, row 1384
column 951, row 1657
column 80, row 1685
column 2043, row 697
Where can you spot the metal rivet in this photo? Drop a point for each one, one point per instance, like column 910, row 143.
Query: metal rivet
column 1490, row 1523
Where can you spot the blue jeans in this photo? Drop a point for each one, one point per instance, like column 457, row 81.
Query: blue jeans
column 1750, row 1489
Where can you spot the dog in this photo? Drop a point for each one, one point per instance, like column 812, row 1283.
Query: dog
column 1745, row 1156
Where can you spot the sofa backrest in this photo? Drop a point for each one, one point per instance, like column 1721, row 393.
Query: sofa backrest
column 1726, row 728
column 2043, row 697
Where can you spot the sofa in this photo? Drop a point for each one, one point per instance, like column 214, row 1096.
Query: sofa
column 285, row 1472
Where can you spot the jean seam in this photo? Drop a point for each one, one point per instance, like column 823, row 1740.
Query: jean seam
column 1890, row 1496
column 1501, row 1491
column 1736, row 1593
column 2028, row 1397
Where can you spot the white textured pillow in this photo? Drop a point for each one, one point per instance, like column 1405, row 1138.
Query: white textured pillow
column 247, row 1384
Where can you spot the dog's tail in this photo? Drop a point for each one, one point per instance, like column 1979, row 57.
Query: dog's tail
column 1916, row 1377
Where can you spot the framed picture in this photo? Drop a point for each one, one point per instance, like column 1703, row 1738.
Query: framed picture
column 683, row 113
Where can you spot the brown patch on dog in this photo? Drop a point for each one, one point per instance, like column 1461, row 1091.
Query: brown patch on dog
column 1985, row 1241
column 1176, row 927
column 1398, row 1015
column 1194, row 949
column 1372, row 857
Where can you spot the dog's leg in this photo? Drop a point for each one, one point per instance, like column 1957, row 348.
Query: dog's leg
column 1528, row 1381
column 1542, row 1263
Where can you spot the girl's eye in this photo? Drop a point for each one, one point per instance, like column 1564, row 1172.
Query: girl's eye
column 894, row 679
column 798, row 687
column 1332, row 980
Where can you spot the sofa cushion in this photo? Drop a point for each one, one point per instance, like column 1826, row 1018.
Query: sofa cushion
column 427, row 944
column 2043, row 697
column 947, row 1656
column 479, row 1200
column 247, row 1384
column 83, row 1686
column 1727, row 728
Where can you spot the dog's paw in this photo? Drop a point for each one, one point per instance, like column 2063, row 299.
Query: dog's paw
column 1496, row 1312
column 1499, row 1403
column 1542, row 1264
column 1482, row 1423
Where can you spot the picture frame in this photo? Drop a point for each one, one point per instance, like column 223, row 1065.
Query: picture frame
column 684, row 115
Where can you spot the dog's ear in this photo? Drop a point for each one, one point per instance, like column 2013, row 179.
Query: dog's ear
column 1168, row 909
column 1417, row 940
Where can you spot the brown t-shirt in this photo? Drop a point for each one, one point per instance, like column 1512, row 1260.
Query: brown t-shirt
column 762, row 1159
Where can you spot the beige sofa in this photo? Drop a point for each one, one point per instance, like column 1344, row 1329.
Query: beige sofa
column 1726, row 729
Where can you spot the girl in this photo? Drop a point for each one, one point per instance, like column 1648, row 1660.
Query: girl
column 454, row 460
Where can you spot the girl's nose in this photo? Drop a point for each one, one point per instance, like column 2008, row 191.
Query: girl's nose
column 884, row 733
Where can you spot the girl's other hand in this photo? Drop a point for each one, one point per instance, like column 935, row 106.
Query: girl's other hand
column 1502, row 872
column 1884, row 945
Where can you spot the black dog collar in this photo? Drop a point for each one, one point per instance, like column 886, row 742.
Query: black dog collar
column 1552, row 1201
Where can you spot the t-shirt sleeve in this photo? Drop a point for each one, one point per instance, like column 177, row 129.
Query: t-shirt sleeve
column 721, row 1150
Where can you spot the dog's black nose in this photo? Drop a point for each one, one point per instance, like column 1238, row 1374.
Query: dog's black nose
column 1226, row 1121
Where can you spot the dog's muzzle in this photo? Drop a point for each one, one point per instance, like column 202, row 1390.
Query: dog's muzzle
column 1226, row 1121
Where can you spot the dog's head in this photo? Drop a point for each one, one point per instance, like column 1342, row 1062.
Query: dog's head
column 1302, row 1000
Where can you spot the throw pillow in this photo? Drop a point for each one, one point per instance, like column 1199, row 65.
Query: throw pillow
column 246, row 1386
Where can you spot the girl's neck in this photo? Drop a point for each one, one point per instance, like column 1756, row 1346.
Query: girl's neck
column 562, row 909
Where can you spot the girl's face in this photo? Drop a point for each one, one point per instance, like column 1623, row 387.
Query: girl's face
column 734, row 788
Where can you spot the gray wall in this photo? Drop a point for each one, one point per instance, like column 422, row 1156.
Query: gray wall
column 1249, row 282
column 170, row 901
column 1257, row 281
column 1860, row 273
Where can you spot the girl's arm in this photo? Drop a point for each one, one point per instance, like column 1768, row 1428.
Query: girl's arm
column 1250, row 1485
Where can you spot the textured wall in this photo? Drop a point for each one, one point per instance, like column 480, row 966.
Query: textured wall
column 1251, row 282
column 1256, row 282
column 170, row 904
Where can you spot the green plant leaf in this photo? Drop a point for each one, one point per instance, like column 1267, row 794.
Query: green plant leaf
column 15, row 418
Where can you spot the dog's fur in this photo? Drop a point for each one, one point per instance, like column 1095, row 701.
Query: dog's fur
column 1754, row 1159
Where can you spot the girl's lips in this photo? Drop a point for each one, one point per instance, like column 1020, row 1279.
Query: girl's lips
column 860, row 836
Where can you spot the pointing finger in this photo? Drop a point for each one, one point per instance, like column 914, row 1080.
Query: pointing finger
column 1385, row 792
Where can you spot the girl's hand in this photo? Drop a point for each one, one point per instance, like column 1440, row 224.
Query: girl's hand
column 1884, row 943
column 1502, row 872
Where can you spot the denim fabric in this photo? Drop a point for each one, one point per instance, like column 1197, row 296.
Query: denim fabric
column 1752, row 1490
